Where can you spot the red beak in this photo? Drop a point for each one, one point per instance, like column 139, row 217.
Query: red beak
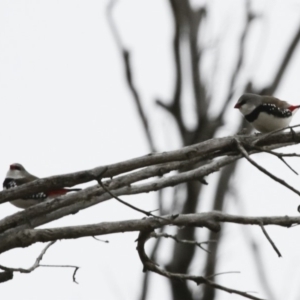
column 237, row 105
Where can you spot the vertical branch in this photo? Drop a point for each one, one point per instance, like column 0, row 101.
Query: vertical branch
column 174, row 107
column 211, row 263
column 187, row 24
column 195, row 18
column 241, row 58
column 128, row 72
column 283, row 65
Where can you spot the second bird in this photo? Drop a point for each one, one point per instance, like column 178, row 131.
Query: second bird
column 17, row 175
column 266, row 113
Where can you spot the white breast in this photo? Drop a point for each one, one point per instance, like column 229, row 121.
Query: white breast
column 21, row 203
column 266, row 122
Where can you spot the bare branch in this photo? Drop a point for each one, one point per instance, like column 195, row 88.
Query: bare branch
column 281, row 181
column 34, row 266
column 149, row 265
column 103, row 241
column 72, row 203
column 174, row 107
column 263, row 136
column 280, row 156
column 270, row 240
column 240, row 59
column 147, row 213
column 175, row 238
column 284, row 64
column 76, row 268
column 6, row 276
column 210, row 220
column 82, row 201
column 128, row 71
column 208, row 149
column 222, row 273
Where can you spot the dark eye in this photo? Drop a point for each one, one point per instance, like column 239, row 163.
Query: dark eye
column 14, row 167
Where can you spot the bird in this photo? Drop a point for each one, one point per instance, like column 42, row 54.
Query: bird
column 17, row 175
column 266, row 113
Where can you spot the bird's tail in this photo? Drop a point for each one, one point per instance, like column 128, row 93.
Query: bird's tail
column 60, row 192
column 293, row 108
column 73, row 190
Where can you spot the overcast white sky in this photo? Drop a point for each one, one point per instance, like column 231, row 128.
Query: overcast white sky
column 65, row 107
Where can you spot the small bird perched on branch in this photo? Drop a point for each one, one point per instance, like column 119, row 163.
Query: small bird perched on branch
column 17, row 175
column 266, row 113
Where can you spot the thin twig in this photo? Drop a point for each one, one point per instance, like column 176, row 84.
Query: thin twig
column 175, row 238
column 231, row 291
column 76, row 268
column 270, row 240
column 104, row 241
column 266, row 135
column 128, row 72
column 222, row 273
column 265, row 149
column 150, row 265
column 213, row 148
column 147, row 213
column 246, row 155
column 210, row 220
column 37, row 264
column 34, row 266
column 280, row 156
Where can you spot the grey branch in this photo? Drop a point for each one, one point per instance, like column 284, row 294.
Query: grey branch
column 128, row 71
column 34, row 266
column 209, row 220
column 209, row 149
column 270, row 240
column 175, row 238
column 213, row 154
column 279, row 180
column 76, row 268
column 149, row 265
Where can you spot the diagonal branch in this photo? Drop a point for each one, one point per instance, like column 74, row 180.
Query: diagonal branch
column 128, row 71
column 72, row 203
column 263, row 170
column 210, row 220
column 76, row 268
column 280, row 156
column 174, row 107
column 284, row 64
column 240, row 60
column 34, row 266
column 149, row 265
column 208, row 149
column 147, row 213
column 175, row 238
column 270, row 240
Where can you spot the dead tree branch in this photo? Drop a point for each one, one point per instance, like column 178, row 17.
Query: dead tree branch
column 209, row 149
column 209, row 220
column 128, row 71
column 175, row 238
column 270, row 240
column 149, row 265
column 34, row 266
column 279, row 180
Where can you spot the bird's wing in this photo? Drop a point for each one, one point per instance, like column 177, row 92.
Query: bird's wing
column 279, row 103
column 12, row 183
column 9, row 183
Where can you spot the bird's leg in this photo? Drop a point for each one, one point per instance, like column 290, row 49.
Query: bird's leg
column 294, row 135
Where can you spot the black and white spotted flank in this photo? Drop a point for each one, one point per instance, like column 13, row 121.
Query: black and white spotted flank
column 11, row 183
column 270, row 109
